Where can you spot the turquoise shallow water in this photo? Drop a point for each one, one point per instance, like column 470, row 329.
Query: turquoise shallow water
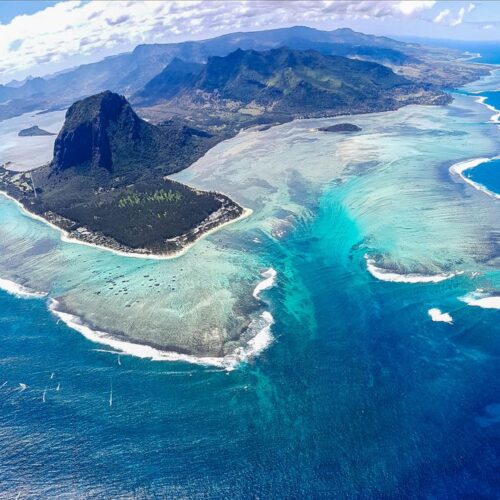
column 359, row 393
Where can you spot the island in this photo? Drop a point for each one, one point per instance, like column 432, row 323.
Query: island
column 33, row 131
column 341, row 127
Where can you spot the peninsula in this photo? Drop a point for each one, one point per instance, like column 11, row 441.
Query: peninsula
column 107, row 184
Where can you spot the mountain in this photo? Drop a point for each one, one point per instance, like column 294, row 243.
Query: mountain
column 174, row 78
column 18, row 83
column 103, row 132
column 247, row 87
column 129, row 72
column 298, row 81
column 32, row 87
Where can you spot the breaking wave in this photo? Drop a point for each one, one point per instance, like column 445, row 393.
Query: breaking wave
column 436, row 315
column 268, row 282
column 258, row 333
column 20, row 291
column 460, row 167
column 480, row 298
column 389, row 275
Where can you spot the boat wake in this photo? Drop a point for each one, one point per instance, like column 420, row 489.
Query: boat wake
column 480, row 298
column 389, row 275
column 20, row 291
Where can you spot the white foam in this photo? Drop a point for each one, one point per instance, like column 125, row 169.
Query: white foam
column 385, row 275
column 460, row 167
column 19, row 291
column 268, row 282
column 495, row 118
column 261, row 340
column 481, row 299
column 437, row 315
column 255, row 345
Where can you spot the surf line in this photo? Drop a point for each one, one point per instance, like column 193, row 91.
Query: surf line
column 19, row 291
column 268, row 282
column 482, row 299
column 260, row 328
column 387, row 275
column 495, row 118
column 460, row 167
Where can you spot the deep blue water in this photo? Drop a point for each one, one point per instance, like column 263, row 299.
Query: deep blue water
column 489, row 50
column 487, row 174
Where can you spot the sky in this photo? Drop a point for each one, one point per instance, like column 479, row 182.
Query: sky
column 43, row 37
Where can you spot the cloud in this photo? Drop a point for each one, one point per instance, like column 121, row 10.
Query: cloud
column 119, row 20
column 411, row 7
column 442, row 16
column 75, row 29
column 447, row 17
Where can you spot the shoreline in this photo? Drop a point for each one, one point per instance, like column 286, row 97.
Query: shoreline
column 249, row 348
column 67, row 238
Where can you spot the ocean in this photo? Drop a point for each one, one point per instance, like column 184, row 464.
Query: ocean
column 367, row 280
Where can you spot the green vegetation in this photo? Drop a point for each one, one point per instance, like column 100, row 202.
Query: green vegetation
column 160, row 196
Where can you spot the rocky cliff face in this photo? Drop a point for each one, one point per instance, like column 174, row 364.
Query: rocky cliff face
column 102, row 136
column 92, row 130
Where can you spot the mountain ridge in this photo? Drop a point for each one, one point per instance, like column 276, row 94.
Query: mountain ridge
column 254, row 87
column 129, row 72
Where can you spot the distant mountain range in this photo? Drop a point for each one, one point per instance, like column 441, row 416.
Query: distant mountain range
column 284, row 83
column 130, row 72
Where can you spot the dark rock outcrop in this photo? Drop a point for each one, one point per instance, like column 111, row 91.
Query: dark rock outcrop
column 87, row 138
column 341, row 127
column 103, row 133
column 33, row 131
